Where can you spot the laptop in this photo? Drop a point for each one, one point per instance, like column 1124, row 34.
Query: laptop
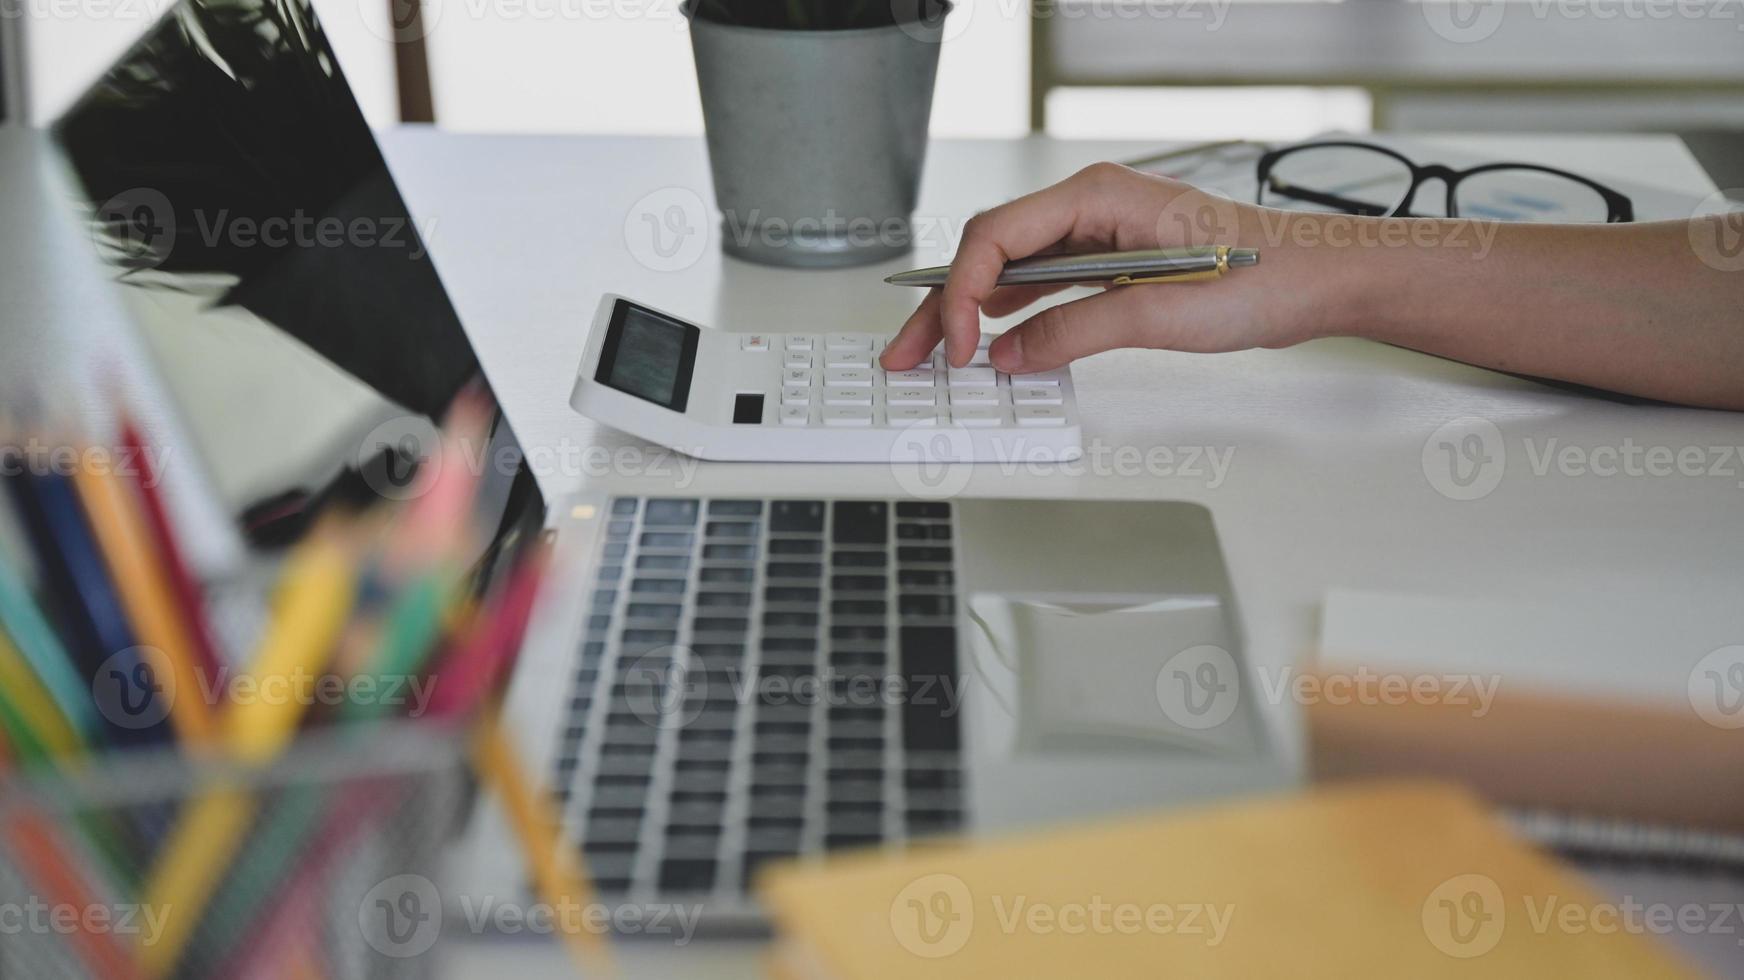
column 710, row 683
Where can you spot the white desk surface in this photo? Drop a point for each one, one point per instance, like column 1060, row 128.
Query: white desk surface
column 1327, row 486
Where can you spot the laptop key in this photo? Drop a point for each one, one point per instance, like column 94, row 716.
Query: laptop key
column 836, row 842
column 736, row 508
column 929, row 672
column 687, row 875
column 670, row 513
column 861, row 522
column 796, row 516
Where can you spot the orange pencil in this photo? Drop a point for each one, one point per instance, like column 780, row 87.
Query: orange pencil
column 35, row 847
column 139, row 580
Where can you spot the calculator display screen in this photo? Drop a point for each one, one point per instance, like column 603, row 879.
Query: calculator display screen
column 649, row 355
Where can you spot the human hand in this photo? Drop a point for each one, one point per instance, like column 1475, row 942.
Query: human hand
column 1107, row 207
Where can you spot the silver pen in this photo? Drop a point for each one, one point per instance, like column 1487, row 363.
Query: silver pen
column 1114, row 268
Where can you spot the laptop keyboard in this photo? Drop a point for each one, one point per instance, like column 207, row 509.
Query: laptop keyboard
column 761, row 680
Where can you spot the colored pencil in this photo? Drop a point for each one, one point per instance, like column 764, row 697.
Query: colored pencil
column 77, row 584
column 48, row 658
column 315, row 595
column 146, row 596
column 556, row 869
column 184, row 585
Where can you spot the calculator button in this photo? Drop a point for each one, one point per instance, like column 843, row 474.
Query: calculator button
column 1036, row 395
column 974, row 396
column 980, row 358
column 978, row 416
column 974, row 377
column 848, row 359
column 1031, row 380
column 909, row 396
column 849, row 378
column 795, row 415
column 911, row 379
column 797, row 359
column 911, row 414
column 1041, row 415
column 843, row 415
column 796, row 376
column 795, row 395
column 799, row 341
column 756, row 341
column 847, row 396
column 848, row 341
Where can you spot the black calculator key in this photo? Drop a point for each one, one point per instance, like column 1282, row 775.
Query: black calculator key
column 860, row 559
column 624, row 505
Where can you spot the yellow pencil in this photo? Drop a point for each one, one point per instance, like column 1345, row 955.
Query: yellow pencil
column 36, row 710
column 145, row 593
column 315, row 594
column 557, row 871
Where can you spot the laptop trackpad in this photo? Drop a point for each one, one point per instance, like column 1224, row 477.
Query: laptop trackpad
column 1103, row 674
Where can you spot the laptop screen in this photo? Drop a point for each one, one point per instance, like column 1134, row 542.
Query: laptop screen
column 271, row 265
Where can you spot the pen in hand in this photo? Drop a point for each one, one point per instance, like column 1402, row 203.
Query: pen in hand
column 1157, row 265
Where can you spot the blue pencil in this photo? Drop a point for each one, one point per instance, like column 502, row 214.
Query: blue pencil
column 84, row 602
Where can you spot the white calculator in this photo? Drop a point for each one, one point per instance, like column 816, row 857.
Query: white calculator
column 714, row 394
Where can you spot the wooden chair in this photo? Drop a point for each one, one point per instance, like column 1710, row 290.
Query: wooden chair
column 411, row 61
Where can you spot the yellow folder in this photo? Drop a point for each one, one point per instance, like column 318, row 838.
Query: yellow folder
column 1380, row 881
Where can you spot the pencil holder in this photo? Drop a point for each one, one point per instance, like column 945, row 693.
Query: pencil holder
column 149, row 865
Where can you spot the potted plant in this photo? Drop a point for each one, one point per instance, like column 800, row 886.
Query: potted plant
column 817, row 114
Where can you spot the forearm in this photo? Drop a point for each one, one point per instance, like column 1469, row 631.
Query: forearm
column 1629, row 308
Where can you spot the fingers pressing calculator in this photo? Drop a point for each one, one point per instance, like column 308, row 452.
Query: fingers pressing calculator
column 811, row 397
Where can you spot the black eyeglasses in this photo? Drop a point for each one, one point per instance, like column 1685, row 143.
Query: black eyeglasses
column 1366, row 179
